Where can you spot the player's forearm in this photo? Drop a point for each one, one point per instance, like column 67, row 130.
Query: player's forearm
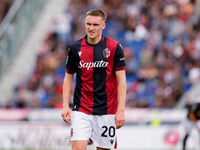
column 67, row 90
column 121, row 95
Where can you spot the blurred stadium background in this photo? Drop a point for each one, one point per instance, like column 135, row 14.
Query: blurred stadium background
column 161, row 41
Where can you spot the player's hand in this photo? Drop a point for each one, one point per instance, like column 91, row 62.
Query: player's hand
column 119, row 119
column 66, row 114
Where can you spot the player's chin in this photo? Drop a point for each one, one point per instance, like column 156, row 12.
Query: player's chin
column 91, row 36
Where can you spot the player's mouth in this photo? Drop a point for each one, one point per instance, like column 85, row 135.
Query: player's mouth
column 91, row 33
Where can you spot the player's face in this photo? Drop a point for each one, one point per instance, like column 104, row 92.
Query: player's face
column 94, row 27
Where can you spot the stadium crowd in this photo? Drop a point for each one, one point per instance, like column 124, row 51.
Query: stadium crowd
column 161, row 42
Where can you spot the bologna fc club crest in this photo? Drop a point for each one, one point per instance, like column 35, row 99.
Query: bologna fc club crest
column 106, row 52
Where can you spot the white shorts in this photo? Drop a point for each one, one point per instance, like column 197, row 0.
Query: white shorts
column 101, row 129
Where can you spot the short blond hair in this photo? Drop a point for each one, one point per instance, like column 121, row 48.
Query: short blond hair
column 97, row 12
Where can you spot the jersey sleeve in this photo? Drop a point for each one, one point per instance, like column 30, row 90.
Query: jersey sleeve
column 70, row 65
column 119, row 60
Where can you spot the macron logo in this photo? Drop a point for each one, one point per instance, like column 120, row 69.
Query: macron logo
column 111, row 141
column 79, row 53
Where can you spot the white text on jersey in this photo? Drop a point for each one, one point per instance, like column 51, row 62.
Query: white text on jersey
column 89, row 65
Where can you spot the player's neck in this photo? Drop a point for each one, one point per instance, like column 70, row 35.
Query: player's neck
column 94, row 40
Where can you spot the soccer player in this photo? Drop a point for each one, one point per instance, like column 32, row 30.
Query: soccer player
column 99, row 96
column 192, row 122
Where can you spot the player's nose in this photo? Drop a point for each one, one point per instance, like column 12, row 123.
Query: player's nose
column 91, row 27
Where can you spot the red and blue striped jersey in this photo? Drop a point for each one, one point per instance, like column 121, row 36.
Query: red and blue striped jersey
column 95, row 65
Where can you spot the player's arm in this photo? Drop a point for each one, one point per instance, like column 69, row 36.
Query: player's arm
column 192, row 117
column 67, row 90
column 121, row 90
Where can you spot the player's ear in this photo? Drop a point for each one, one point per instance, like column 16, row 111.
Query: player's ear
column 104, row 25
